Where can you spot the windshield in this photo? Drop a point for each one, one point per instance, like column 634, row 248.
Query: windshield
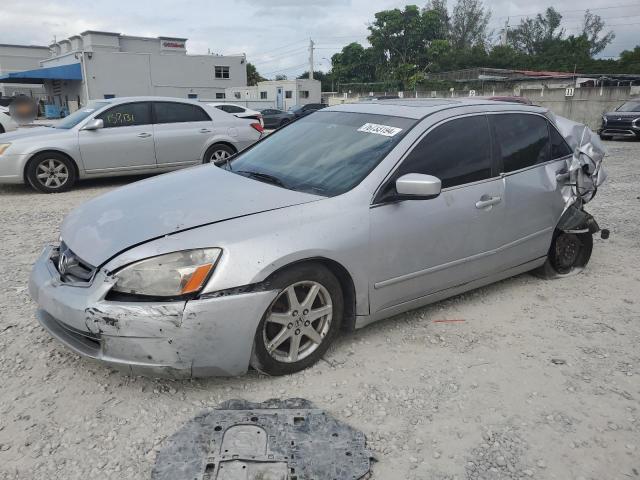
column 630, row 107
column 76, row 117
column 327, row 153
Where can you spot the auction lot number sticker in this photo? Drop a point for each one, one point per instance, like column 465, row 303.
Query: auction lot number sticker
column 385, row 130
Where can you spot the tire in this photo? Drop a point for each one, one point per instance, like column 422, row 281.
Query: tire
column 283, row 123
column 51, row 172
column 287, row 324
column 218, row 154
column 605, row 137
column 1, row 129
column 568, row 255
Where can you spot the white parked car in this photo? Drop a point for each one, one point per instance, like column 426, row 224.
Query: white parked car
column 239, row 111
column 7, row 124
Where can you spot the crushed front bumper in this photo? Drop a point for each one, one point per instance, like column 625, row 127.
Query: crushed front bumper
column 196, row 338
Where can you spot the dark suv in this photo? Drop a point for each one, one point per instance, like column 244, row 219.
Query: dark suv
column 303, row 110
column 623, row 122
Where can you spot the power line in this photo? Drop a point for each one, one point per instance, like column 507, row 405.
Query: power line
column 281, row 55
column 577, row 10
column 284, row 69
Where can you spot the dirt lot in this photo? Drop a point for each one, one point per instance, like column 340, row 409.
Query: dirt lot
column 479, row 399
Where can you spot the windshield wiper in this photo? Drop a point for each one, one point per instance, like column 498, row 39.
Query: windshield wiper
column 262, row 177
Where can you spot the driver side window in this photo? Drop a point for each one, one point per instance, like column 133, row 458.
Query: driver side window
column 457, row 152
column 127, row 115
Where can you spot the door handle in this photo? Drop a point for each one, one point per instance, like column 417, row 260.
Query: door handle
column 205, row 130
column 144, row 135
column 487, row 201
column 562, row 175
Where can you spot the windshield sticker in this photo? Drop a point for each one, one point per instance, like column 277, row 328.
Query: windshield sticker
column 385, row 130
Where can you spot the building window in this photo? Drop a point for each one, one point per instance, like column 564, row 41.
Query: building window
column 220, row 95
column 288, row 94
column 192, row 95
column 222, row 72
column 263, row 95
column 237, row 95
column 304, row 93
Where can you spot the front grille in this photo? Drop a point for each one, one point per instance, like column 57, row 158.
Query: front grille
column 72, row 268
column 619, row 122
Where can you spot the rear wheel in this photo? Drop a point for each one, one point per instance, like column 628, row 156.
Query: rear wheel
column 218, row 154
column 51, row 172
column 302, row 321
column 568, row 255
column 284, row 122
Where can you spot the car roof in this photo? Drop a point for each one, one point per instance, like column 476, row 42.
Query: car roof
column 418, row 108
column 118, row 100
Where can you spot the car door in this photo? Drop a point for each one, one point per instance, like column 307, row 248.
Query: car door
column 181, row 132
column 531, row 152
column 419, row 247
column 124, row 142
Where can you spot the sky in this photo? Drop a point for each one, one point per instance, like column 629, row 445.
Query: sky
column 274, row 34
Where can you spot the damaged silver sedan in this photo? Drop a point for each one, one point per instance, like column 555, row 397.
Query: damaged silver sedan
column 350, row 215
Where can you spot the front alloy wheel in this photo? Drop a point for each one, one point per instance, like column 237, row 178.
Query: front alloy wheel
column 301, row 322
column 51, row 172
column 297, row 322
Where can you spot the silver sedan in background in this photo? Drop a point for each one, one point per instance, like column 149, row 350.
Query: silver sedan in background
column 123, row 136
column 347, row 216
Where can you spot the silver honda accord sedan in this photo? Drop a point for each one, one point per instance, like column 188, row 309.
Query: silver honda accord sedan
column 122, row 136
column 347, row 216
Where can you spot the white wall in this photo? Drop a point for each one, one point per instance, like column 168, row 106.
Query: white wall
column 16, row 58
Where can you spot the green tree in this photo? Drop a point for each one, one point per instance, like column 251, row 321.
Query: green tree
column 469, row 24
column 326, row 79
column 253, row 77
column 532, row 33
column 592, row 28
column 400, row 40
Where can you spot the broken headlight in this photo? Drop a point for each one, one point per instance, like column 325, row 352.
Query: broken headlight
column 172, row 275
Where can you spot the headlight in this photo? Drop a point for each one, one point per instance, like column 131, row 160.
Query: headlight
column 172, row 275
column 3, row 147
column 604, row 119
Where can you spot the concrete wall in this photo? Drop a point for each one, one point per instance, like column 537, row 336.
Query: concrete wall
column 585, row 106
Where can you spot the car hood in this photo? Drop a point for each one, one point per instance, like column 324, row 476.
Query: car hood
column 112, row 223
column 28, row 133
column 623, row 114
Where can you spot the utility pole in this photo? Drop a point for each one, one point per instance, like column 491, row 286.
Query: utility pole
column 311, row 59
column 506, row 32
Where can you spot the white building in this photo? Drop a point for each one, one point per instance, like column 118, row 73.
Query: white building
column 96, row 65
column 16, row 58
column 281, row 94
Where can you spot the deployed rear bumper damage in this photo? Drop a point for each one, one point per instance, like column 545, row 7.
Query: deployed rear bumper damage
column 182, row 339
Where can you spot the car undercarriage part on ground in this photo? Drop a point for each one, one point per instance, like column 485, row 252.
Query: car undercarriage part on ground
column 274, row 440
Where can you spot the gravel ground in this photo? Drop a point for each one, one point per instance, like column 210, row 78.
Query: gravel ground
column 541, row 379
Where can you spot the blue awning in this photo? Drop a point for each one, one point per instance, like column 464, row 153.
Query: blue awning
column 72, row 71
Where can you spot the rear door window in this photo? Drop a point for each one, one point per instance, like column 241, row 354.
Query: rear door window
column 234, row 109
column 559, row 147
column 126, row 115
column 173, row 112
column 523, row 140
column 456, row 152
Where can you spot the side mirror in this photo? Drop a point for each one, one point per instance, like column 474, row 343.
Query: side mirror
column 417, row 186
column 94, row 124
